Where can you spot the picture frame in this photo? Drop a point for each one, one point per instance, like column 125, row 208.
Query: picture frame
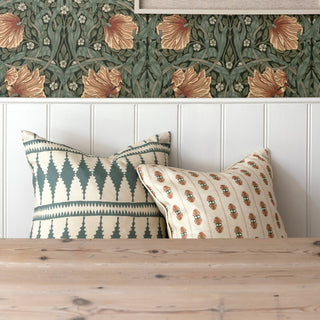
column 227, row 7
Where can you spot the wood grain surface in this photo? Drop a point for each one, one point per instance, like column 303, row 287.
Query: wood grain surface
column 160, row 279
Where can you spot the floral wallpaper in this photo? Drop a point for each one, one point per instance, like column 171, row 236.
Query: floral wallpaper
column 94, row 48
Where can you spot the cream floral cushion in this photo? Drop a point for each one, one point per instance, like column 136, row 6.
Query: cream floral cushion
column 236, row 203
column 78, row 195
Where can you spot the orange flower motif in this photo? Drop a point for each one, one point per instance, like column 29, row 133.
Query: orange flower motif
column 253, row 221
column 175, row 32
column 11, row 32
column 218, row 222
column 102, row 84
column 270, row 232
column 284, row 33
column 201, row 235
column 119, row 32
column 238, row 232
column 23, row 83
column 183, row 232
column 178, row 212
column 190, row 84
column 233, row 211
column 267, row 84
column 212, row 202
column 197, row 217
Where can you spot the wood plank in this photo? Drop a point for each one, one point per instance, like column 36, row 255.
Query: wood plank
column 20, row 196
column 113, row 128
column 222, row 251
column 134, row 273
column 160, row 279
column 200, row 137
column 288, row 146
column 188, row 302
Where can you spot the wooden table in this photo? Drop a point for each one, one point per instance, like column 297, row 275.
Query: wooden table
column 160, row 279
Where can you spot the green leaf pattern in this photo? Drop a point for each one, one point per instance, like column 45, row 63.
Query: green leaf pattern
column 64, row 39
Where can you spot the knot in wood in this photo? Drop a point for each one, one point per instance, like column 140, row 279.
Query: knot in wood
column 66, row 240
column 156, row 251
column 81, row 302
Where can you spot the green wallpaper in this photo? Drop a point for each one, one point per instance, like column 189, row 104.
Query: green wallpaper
column 99, row 48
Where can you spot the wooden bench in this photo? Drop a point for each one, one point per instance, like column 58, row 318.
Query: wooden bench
column 160, row 279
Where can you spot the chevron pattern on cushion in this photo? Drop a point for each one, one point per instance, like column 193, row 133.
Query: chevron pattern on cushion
column 79, row 195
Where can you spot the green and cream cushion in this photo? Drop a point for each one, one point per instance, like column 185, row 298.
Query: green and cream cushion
column 236, row 203
column 78, row 195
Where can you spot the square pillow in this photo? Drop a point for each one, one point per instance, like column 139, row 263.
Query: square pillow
column 236, row 203
column 78, row 195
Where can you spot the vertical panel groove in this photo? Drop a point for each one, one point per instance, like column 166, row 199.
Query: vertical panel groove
column 136, row 123
column 48, row 121
column 271, row 134
column 180, row 129
column 266, row 126
column 309, row 168
column 222, row 135
column 179, row 137
column 4, row 174
column 92, row 127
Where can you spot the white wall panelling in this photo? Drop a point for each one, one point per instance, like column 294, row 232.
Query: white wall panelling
column 314, row 172
column 288, row 145
column 2, row 169
column 71, row 125
column 19, row 195
column 243, row 131
column 157, row 118
column 108, row 137
column 203, row 134
column 207, row 134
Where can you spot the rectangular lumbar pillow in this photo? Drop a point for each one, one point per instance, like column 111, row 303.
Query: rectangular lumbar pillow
column 78, row 195
column 236, row 203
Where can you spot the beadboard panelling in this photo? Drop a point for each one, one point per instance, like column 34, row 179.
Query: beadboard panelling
column 206, row 134
column 110, row 138
column 31, row 117
column 243, row 131
column 203, row 134
column 288, row 145
column 314, row 174
column 2, row 181
column 71, row 125
column 157, row 118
